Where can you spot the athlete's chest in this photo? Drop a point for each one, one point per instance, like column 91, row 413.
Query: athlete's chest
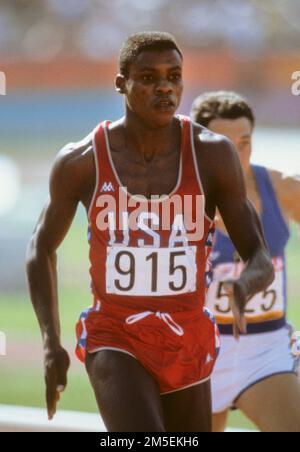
column 156, row 177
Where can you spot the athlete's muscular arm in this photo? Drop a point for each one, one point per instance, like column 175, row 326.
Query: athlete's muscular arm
column 52, row 226
column 228, row 193
column 287, row 189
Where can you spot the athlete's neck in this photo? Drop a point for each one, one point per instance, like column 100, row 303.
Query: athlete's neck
column 149, row 143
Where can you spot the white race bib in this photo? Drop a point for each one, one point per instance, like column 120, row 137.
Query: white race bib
column 264, row 306
column 151, row 272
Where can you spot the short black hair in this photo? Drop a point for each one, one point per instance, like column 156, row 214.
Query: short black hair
column 144, row 41
column 221, row 104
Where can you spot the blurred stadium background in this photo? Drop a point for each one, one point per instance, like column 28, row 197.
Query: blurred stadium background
column 60, row 59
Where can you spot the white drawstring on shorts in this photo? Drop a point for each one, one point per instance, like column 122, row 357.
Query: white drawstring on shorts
column 161, row 315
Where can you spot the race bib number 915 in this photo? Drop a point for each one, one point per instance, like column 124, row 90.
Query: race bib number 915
column 151, row 271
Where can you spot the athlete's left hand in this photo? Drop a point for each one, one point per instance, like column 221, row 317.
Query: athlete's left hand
column 238, row 301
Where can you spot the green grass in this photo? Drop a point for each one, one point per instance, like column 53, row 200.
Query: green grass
column 27, row 389
column 29, row 146
column 23, row 384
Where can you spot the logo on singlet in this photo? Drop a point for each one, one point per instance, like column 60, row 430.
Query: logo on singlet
column 209, row 359
column 107, row 187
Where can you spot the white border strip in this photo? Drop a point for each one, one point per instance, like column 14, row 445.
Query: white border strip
column 114, row 349
column 189, row 386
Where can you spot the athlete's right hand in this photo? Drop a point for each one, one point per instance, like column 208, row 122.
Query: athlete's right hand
column 56, row 365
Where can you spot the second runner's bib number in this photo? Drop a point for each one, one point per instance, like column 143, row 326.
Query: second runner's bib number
column 264, row 306
column 151, row 271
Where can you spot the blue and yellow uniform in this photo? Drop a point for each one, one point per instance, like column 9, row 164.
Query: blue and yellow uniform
column 265, row 350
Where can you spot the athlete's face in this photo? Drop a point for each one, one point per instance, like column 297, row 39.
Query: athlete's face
column 154, row 86
column 239, row 131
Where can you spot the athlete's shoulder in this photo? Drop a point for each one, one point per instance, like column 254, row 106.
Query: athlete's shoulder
column 279, row 176
column 76, row 153
column 283, row 182
column 74, row 163
column 214, row 143
column 213, row 151
column 287, row 186
column 218, row 156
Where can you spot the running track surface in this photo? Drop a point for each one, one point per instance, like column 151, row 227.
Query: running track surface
column 23, row 419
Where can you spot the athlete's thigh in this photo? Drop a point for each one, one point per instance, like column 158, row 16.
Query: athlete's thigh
column 189, row 410
column 273, row 404
column 219, row 422
column 127, row 395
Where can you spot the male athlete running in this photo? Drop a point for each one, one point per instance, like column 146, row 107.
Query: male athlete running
column 256, row 374
column 148, row 343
